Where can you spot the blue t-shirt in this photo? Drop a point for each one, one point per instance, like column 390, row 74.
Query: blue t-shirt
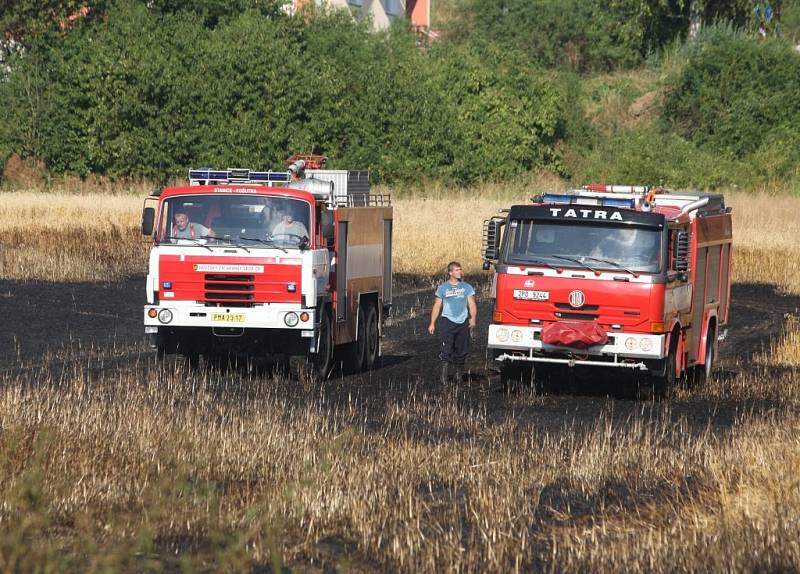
column 454, row 300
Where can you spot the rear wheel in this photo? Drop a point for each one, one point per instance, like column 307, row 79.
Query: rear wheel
column 353, row 354
column 370, row 337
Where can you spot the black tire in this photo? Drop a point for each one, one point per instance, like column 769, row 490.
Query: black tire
column 192, row 359
column 512, row 375
column 702, row 373
column 323, row 358
column 370, row 337
column 664, row 383
column 281, row 367
column 190, row 353
column 353, row 353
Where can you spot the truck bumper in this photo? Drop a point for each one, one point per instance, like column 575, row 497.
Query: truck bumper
column 510, row 343
column 225, row 319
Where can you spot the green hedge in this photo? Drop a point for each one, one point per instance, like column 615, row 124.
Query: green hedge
column 735, row 92
column 149, row 93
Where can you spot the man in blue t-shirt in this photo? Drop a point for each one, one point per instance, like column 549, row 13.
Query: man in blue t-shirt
column 455, row 299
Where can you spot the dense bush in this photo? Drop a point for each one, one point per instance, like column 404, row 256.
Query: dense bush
column 648, row 156
column 735, row 92
column 582, row 35
column 145, row 91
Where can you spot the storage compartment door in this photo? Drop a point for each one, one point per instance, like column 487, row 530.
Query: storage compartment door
column 341, row 273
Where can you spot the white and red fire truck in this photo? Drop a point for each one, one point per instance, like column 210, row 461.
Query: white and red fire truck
column 271, row 264
column 622, row 278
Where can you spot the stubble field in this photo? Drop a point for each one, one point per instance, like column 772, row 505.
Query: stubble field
column 109, row 461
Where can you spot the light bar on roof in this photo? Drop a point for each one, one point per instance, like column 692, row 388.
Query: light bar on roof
column 581, row 200
column 238, row 176
column 613, row 202
column 555, row 198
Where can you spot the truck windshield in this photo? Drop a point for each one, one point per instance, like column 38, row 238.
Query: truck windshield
column 253, row 221
column 585, row 245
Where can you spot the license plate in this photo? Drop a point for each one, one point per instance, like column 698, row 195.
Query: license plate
column 227, row 317
column 528, row 295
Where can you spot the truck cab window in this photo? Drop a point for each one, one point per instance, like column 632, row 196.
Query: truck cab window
column 254, row 221
column 602, row 246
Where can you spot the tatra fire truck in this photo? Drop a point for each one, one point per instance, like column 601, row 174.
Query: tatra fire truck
column 270, row 264
column 620, row 278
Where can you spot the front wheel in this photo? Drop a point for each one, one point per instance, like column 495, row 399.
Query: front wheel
column 323, row 358
column 702, row 373
column 664, row 383
column 514, row 374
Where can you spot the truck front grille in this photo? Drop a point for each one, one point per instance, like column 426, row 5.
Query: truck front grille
column 229, row 290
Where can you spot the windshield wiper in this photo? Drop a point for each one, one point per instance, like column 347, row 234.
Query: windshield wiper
column 535, row 261
column 230, row 241
column 615, row 264
column 266, row 242
column 578, row 261
column 196, row 241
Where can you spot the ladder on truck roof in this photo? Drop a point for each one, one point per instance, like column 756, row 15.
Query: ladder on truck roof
column 640, row 197
column 338, row 188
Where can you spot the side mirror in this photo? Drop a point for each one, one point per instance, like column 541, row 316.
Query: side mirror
column 680, row 252
column 148, row 217
column 327, row 226
column 491, row 240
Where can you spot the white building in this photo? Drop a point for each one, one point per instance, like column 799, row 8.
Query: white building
column 382, row 12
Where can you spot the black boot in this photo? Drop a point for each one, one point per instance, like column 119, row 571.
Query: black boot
column 443, row 375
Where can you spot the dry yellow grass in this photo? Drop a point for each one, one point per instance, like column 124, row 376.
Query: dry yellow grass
column 72, row 237
column 109, row 462
column 141, row 463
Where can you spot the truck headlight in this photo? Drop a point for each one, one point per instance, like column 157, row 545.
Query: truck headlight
column 502, row 335
column 516, row 335
column 631, row 343
column 645, row 344
column 165, row 316
column 291, row 319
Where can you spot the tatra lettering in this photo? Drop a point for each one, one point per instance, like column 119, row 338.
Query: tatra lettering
column 586, row 213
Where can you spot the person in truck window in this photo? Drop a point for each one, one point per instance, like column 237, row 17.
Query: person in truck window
column 182, row 228
column 289, row 228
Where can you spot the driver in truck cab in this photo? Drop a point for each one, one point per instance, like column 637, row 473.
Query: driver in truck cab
column 182, row 228
column 288, row 225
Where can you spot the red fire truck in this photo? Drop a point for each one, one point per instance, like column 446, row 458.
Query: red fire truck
column 622, row 278
column 270, row 264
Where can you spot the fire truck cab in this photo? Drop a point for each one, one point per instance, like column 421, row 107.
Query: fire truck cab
column 270, row 264
column 623, row 278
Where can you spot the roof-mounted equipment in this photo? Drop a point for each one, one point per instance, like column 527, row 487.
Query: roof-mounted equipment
column 208, row 176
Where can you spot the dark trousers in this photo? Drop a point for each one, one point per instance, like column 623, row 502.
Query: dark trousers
column 455, row 341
